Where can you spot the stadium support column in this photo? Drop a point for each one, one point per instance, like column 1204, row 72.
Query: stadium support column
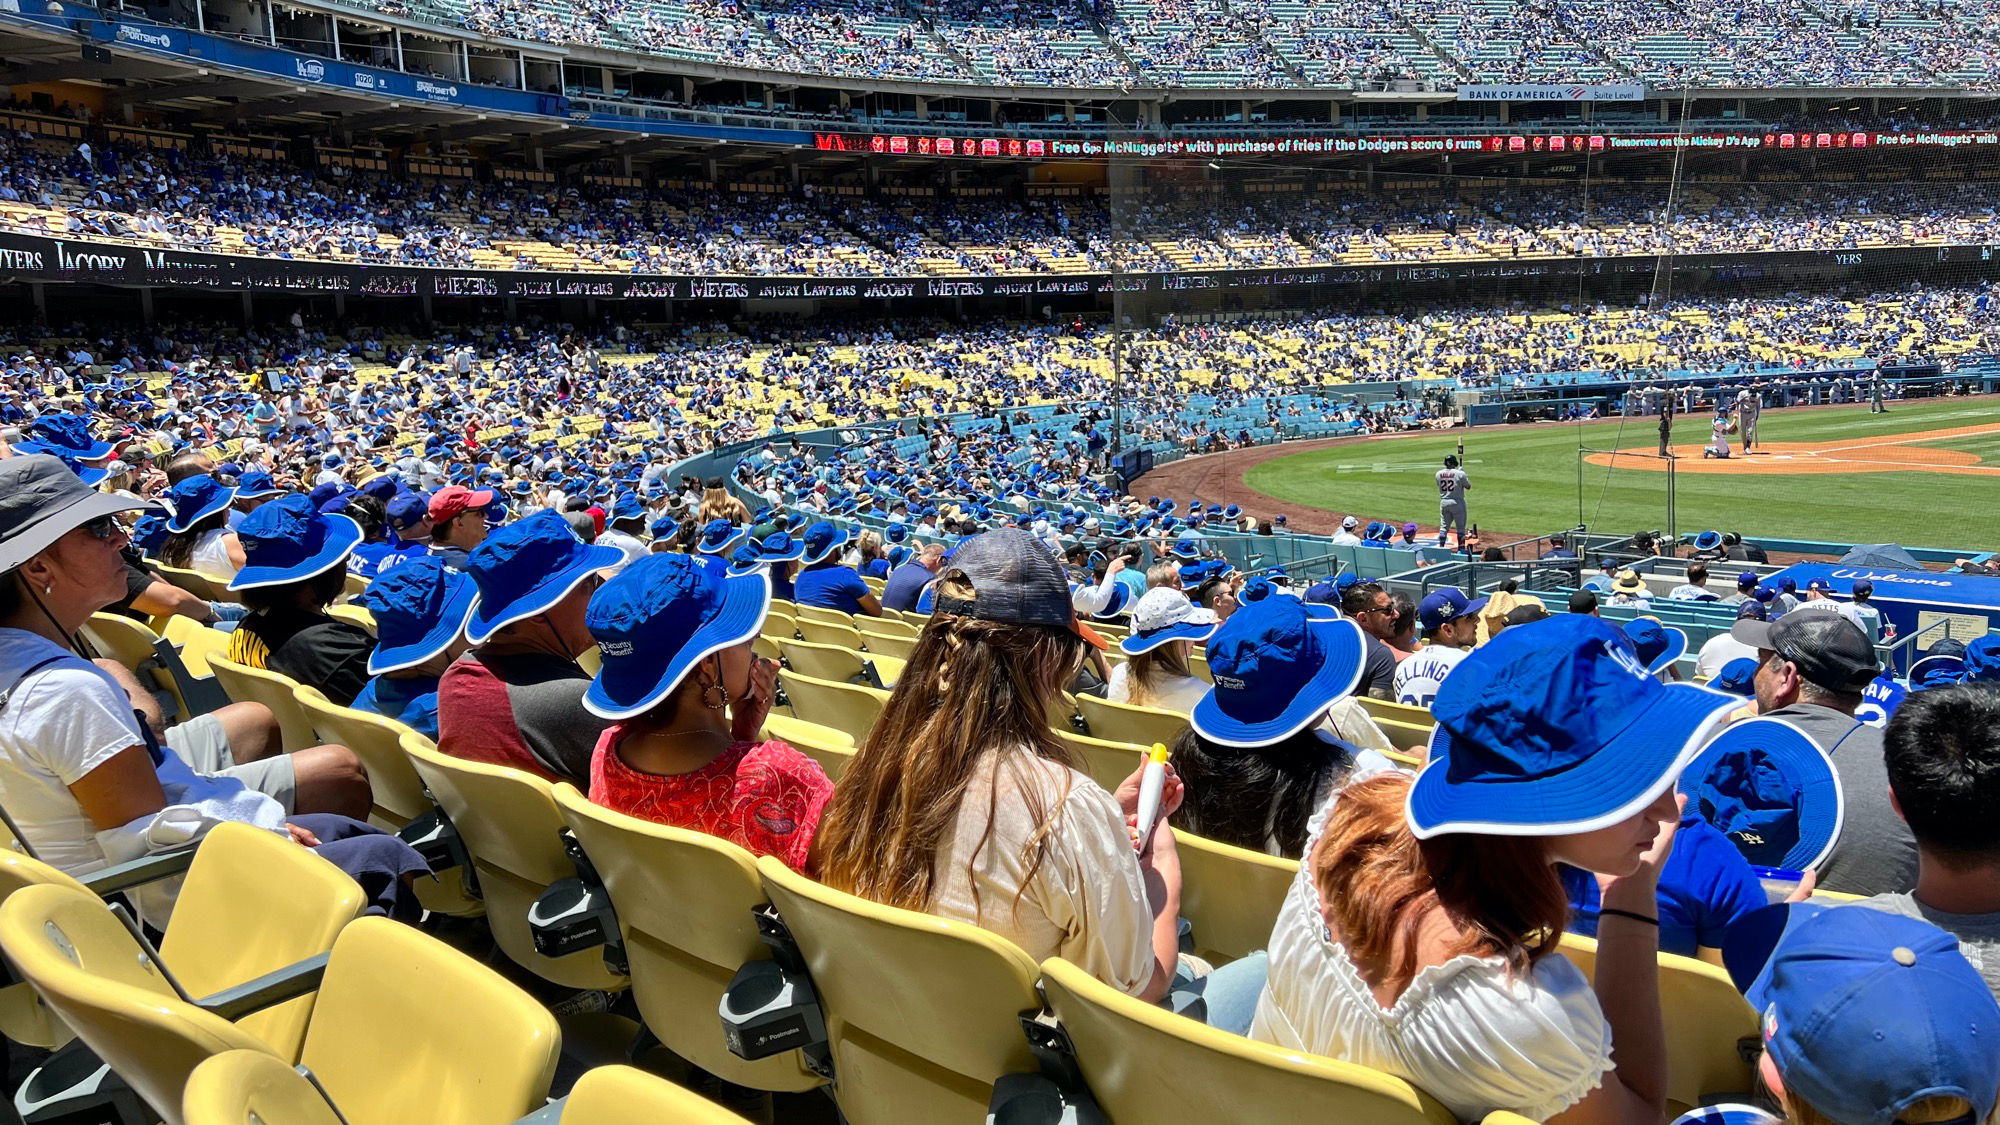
column 146, row 304
column 1332, row 112
column 39, row 294
column 333, row 33
column 397, row 34
column 1506, row 113
column 250, row 309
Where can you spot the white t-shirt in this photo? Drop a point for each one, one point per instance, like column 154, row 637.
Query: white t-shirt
column 211, row 554
column 1717, row 652
column 1170, row 693
column 1086, row 902
column 1419, row 678
column 60, row 723
column 633, row 548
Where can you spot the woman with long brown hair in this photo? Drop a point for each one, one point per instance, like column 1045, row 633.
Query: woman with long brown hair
column 718, row 504
column 1420, row 937
column 961, row 802
column 198, row 535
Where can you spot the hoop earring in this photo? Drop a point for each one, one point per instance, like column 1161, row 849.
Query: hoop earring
column 718, row 705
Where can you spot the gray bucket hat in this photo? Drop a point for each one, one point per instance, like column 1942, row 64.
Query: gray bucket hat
column 41, row 500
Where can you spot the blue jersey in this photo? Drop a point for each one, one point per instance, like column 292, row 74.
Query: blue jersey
column 1705, row 886
column 830, row 586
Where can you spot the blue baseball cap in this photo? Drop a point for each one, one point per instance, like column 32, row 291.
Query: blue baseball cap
column 381, row 486
column 661, row 616
column 195, row 499
column 420, row 607
column 1752, row 610
column 1321, row 593
column 1658, row 645
column 408, row 511
column 1276, row 671
column 1555, row 730
column 1441, row 607
column 1821, row 585
column 1747, row 580
column 1866, row 1013
column 527, row 567
column 1346, row 582
column 1771, row 790
column 719, row 537
column 288, row 540
column 821, row 541
column 65, row 435
column 256, row 485
column 1738, row 677
column 1982, row 660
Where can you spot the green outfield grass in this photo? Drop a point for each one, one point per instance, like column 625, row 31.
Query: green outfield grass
column 1524, row 479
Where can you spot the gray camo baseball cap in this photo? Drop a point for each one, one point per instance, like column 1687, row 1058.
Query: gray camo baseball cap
column 1013, row 579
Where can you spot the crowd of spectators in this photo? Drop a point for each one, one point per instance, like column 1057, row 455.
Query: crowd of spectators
column 233, row 204
column 1352, row 44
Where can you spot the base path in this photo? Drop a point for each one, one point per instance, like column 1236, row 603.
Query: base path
column 1891, row 453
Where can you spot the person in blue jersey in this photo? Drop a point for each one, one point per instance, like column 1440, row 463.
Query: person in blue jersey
column 827, row 584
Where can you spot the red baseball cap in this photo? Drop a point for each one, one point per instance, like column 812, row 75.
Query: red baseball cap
column 454, row 499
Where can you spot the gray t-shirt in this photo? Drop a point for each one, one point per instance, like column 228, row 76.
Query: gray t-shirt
column 1978, row 934
column 1875, row 853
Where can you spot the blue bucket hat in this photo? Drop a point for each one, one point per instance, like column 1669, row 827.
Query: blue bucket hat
column 257, row 485
column 1942, row 666
column 288, row 540
column 1738, row 677
column 1120, row 603
column 746, row 559
column 1555, row 730
column 65, row 435
column 659, row 618
column 821, row 541
column 1276, row 671
column 1982, row 660
column 1708, row 541
column 897, row 532
column 1255, row 590
column 1771, row 790
column 420, row 608
column 779, row 546
column 528, row 566
column 1658, row 645
column 195, row 499
column 899, row 554
column 1186, row 550
column 1865, row 1012
column 149, row 533
column 719, row 537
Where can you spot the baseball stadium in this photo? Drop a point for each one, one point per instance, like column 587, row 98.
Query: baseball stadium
column 854, row 562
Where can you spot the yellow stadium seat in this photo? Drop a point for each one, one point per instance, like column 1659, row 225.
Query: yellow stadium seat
column 1400, row 712
column 1143, row 1063
column 1502, row 1117
column 621, row 1095
column 131, row 644
column 1230, row 896
column 1406, row 736
column 880, row 643
column 512, row 830
column 764, row 645
column 356, row 585
column 244, row 1087
column 684, row 901
column 839, row 634
column 275, row 690
column 1123, row 722
column 817, row 613
column 1107, row 763
column 830, row 662
column 197, row 643
column 831, row 748
column 378, row 742
column 849, row 708
column 1706, row 1021
column 922, row 1014
column 353, row 614
column 196, row 583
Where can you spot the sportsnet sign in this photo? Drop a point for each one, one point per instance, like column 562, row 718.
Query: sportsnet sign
column 1554, row 92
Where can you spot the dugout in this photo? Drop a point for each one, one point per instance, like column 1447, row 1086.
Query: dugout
column 1925, row 606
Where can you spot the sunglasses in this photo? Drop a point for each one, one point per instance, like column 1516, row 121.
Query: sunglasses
column 103, row 529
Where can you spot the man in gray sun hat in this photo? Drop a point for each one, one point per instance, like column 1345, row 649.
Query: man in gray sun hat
column 1811, row 670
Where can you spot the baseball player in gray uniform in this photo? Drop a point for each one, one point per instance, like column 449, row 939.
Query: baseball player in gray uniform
column 1749, row 404
column 1452, row 485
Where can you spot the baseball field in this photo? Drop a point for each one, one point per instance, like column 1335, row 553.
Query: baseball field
column 1927, row 473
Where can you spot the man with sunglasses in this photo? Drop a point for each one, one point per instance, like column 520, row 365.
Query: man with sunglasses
column 1374, row 610
column 1811, row 671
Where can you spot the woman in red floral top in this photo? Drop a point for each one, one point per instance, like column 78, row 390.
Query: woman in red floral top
column 690, row 699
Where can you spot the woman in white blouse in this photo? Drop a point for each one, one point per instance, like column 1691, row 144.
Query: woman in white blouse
column 1165, row 628
column 1420, row 937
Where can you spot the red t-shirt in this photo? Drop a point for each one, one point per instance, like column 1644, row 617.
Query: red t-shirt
column 765, row 797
